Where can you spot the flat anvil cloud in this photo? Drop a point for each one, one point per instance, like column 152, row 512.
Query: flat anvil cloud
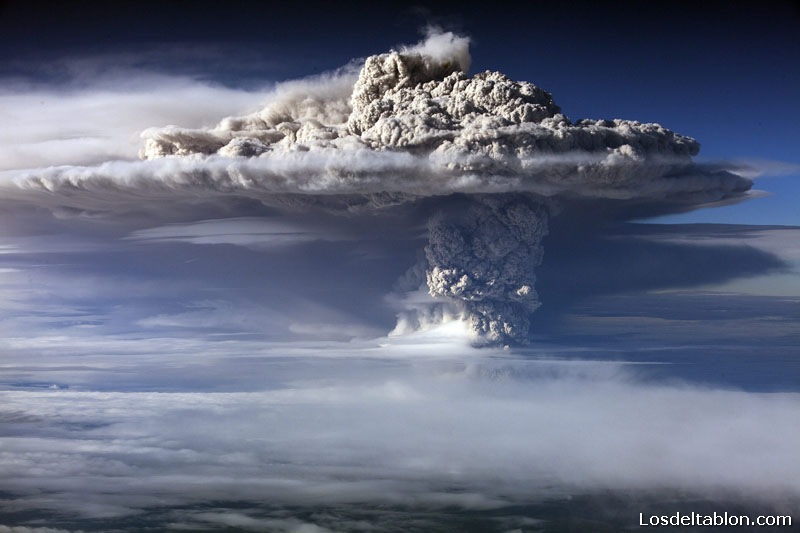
column 414, row 125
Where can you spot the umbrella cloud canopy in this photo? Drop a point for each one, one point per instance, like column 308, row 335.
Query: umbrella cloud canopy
column 412, row 126
column 484, row 133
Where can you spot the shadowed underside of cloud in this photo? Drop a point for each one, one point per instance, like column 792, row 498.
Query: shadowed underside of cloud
column 411, row 126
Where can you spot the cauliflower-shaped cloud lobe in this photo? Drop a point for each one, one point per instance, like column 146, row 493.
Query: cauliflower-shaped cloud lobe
column 486, row 258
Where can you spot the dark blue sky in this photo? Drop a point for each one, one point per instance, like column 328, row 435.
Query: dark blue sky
column 726, row 73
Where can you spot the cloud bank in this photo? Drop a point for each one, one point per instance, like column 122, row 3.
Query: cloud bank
column 412, row 126
column 363, row 432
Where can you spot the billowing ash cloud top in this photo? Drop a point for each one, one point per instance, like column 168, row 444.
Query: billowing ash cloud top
column 411, row 124
column 485, row 133
column 414, row 125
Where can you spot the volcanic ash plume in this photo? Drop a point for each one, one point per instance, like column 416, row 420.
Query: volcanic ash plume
column 486, row 259
column 412, row 125
column 414, row 122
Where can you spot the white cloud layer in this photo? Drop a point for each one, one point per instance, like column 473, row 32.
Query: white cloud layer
column 475, row 434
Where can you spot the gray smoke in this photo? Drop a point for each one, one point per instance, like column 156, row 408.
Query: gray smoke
column 410, row 125
column 487, row 260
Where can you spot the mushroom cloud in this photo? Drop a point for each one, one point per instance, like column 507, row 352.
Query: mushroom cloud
column 493, row 160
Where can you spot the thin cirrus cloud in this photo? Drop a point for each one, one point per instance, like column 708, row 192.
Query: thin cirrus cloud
column 248, row 232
